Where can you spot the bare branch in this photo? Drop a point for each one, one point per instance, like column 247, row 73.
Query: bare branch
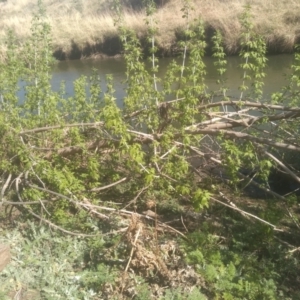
column 25, row 203
column 91, row 210
column 59, row 228
column 238, row 104
column 234, row 134
column 119, row 211
column 252, row 120
column 136, row 197
column 133, row 247
column 219, row 116
column 248, row 214
column 283, row 166
column 108, row 186
column 42, row 129
column 294, row 250
column 46, row 221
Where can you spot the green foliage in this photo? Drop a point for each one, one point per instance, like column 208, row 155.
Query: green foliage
column 221, row 62
column 229, row 274
column 254, row 53
column 44, row 262
column 95, row 280
column 178, row 295
column 78, row 163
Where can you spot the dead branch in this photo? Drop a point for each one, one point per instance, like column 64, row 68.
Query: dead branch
column 26, row 203
column 215, row 126
column 136, row 197
column 47, row 221
column 294, row 250
column 133, row 247
column 91, row 210
column 219, row 162
column 48, row 128
column 242, row 212
column 283, row 166
column 148, row 138
column 219, row 116
column 238, row 104
column 109, row 185
column 242, row 135
column 246, row 122
column 113, row 210
column 59, row 228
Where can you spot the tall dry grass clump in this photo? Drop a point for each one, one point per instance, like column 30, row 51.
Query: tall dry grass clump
column 86, row 27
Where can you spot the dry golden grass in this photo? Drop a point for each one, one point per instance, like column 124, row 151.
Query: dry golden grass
column 278, row 21
column 88, row 23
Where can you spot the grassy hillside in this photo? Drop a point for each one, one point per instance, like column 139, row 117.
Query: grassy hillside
column 85, row 27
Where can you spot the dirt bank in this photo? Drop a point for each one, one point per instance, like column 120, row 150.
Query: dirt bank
column 86, row 27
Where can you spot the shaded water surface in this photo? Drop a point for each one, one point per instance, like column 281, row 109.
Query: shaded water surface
column 68, row 71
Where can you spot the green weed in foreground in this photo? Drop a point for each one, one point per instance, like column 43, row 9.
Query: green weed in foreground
column 44, row 264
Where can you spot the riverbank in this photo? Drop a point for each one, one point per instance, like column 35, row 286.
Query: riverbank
column 85, row 28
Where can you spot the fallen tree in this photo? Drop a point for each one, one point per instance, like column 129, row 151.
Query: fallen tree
column 72, row 162
column 86, row 147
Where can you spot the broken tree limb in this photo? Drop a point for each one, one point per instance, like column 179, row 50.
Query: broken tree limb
column 242, row 212
column 238, row 103
column 283, row 166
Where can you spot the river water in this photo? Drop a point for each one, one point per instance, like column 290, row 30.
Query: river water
column 68, row 71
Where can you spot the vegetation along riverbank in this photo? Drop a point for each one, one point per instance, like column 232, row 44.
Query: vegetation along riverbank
column 180, row 192
column 86, row 28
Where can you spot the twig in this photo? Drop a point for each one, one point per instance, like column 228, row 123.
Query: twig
column 295, row 220
column 169, row 227
column 183, row 224
column 283, row 166
column 155, row 163
column 248, row 214
column 61, row 229
column 241, row 135
column 46, row 221
column 284, row 242
column 268, row 191
column 39, row 179
column 136, row 113
column 119, row 211
column 126, row 212
column 136, row 197
column 219, row 118
column 18, row 294
column 294, row 250
column 250, row 104
column 42, row 129
column 25, row 203
column 102, row 216
column 133, row 248
column 169, row 151
column 108, row 186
